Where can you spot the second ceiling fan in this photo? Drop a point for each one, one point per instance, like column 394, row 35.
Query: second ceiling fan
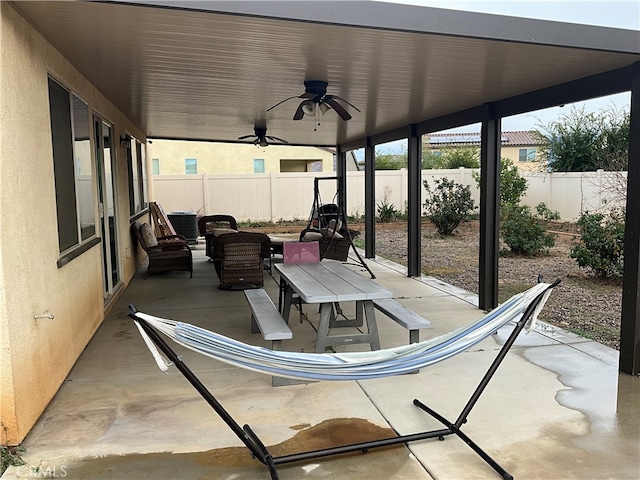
column 315, row 99
column 261, row 139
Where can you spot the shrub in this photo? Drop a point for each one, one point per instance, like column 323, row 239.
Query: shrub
column 448, row 205
column 522, row 231
column 546, row 213
column 387, row 211
column 601, row 247
column 512, row 185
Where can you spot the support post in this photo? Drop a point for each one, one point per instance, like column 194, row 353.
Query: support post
column 489, row 211
column 414, row 190
column 341, row 173
column 630, row 319
column 369, row 200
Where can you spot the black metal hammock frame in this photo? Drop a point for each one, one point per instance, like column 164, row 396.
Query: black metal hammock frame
column 261, row 452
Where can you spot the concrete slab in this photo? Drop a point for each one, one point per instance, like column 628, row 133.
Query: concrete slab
column 557, row 408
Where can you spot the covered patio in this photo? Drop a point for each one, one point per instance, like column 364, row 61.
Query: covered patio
column 557, row 407
column 78, row 385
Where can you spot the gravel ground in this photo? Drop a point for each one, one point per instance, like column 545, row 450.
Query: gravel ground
column 582, row 304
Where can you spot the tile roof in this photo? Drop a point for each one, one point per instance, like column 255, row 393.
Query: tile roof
column 515, row 138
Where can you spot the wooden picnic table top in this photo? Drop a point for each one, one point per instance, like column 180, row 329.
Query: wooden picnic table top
column 329, row 281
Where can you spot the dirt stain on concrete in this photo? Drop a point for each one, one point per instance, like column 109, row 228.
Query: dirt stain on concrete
column 236, row 462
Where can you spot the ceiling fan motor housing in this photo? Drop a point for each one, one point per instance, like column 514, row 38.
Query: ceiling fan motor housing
column 318, row 88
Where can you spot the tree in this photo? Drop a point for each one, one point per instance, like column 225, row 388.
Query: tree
column 582, row 142
column 389, row 161
column 451, row 157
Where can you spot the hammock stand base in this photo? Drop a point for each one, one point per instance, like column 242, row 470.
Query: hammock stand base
column 260, row 451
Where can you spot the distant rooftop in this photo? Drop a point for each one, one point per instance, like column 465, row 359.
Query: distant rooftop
column 517, row 138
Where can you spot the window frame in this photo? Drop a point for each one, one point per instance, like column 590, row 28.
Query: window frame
column 194, row 163
column 137, row 177
column 256, row 162
column 530, row 154
column 72, row 240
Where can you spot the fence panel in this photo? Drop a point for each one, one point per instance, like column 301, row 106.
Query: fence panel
column 288, row 196
column 179, row 192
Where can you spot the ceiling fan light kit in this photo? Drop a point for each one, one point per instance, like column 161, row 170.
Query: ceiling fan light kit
column 316, row 101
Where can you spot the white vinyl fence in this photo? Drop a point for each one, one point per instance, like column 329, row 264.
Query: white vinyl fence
column 288, row 196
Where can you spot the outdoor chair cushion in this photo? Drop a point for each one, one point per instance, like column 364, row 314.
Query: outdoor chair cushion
column 148, row 237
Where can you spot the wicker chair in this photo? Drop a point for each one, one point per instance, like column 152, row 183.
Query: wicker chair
column 208, row 223
column 239, row 258
column 169, row 253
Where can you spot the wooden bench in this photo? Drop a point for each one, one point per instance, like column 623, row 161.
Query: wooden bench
column 266, row 319
column 403, row 316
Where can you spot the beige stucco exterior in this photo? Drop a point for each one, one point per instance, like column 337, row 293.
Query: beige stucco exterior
column 212, row 157
column 36, row 354
column 513, row 154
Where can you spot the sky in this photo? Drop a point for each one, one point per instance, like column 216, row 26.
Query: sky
column 613, row 13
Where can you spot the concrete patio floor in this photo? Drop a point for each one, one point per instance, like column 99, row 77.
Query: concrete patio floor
column 557, row 407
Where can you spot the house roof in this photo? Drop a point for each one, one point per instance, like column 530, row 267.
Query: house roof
column 472, row 139
column 210, row 70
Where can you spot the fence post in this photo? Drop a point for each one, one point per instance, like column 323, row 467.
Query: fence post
column 272, row 189
column 205, row 194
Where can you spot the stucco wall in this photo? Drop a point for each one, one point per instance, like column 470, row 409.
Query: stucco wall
column 37, row 354
column 231, row 157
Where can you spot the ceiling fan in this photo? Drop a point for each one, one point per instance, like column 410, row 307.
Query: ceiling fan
column 261, row 137
column 315, row 99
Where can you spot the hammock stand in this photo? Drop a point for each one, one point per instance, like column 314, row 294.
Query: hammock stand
column 259, row 451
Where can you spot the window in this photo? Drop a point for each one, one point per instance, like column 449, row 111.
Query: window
column 191, row 166
column 258, row 165
column 155, row 165
column 137, row 171
column 72, row 166
column 527, row 155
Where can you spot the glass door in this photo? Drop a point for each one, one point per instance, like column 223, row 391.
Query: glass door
column 105, row 160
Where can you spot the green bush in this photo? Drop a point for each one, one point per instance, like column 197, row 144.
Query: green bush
column 448, row 205
column 522, row 231
column 512, row 185
column 387, row 211
column 601, row 247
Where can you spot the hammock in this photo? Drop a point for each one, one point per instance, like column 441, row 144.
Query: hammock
column 522, row 308
column 342, row 366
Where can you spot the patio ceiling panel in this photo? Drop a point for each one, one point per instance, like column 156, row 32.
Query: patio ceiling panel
column 212, row 72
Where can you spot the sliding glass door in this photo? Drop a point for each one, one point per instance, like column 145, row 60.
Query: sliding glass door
column 105, row 163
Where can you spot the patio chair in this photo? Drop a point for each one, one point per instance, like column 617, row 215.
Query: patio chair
column 209, row 226
column 168, row 253
column 239, row 258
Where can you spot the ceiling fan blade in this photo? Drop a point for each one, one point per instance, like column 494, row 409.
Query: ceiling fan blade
column 281, row 102
column 344, row 115
column 336, row 97
column 276, row 139
column 299, row 113
column 308, row 95
column 245, row 136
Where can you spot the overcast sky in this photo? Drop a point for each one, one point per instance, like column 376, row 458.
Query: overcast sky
column 613, row 13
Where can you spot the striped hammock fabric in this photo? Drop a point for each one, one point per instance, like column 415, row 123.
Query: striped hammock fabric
column 343, row 366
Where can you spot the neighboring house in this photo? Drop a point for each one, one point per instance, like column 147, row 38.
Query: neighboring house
column 521, row 147
column 173, row 157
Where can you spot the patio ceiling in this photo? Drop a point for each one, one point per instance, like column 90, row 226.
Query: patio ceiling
column 210, row 70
